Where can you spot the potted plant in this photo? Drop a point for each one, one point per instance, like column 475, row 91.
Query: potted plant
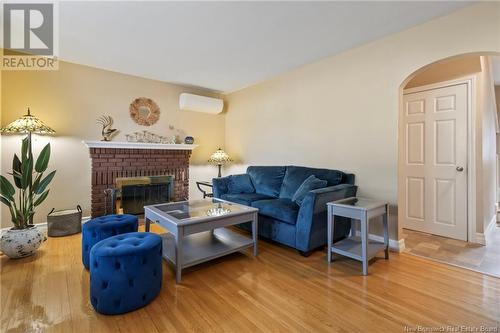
column 28, row 190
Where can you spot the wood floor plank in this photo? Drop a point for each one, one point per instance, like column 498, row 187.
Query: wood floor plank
column 278, row 291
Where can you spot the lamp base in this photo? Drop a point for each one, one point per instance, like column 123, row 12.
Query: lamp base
column 220, row 167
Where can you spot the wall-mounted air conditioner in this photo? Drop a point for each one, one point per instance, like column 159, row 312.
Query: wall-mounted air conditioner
column 197, row 103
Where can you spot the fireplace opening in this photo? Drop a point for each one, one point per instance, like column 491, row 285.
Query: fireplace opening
column 131, row 194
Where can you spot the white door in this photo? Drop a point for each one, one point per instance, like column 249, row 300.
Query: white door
column 434, row 170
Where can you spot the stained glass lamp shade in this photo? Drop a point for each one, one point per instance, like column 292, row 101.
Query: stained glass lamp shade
column 27, row 124
column 219, row 158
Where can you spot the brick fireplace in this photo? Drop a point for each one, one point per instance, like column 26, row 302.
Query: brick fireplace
column 122, row 159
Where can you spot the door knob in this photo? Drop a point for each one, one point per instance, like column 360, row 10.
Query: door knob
column 460, row 169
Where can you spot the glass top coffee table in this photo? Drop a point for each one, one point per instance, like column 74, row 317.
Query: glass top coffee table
column 197, row 230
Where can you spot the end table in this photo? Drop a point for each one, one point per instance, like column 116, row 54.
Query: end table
column 359, row 248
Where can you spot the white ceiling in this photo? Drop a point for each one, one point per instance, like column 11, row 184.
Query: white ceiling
column 225, row 46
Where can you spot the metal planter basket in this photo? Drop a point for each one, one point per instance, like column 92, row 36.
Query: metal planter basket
column 64, row 222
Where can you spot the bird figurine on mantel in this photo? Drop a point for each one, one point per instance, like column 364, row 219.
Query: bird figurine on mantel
column 107, row 132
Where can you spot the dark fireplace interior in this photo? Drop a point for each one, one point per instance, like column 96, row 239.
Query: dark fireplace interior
column 133, row 193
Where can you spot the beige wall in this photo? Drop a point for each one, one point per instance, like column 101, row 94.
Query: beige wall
column 497, row 100
column 446, row 70
column 70, row 99
column 342, row 112
column 486, row 119
column 497, row 96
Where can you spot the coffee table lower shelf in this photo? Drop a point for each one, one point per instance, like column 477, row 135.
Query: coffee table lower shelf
column 205, row 246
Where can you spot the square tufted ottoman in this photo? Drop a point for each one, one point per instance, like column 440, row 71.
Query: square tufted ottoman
column 125, row 272
column 103, row 227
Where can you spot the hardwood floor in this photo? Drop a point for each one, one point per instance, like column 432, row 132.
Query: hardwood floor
column 279, row 291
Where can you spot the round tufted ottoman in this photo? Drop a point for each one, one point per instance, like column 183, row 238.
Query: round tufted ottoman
column 125, row 272
column 103, row 227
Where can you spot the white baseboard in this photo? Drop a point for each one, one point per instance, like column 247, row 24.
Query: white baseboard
column 490, row 227
column 479, row 238
column 400, row 245
column 483, row 237
column 43, row 226
column 497, row 205
column 394, row 244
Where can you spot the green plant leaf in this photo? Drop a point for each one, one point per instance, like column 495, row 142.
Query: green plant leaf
column 16, row 171
column 43, row 159
column 17, row 180
column 6, row 188
column 5, row 201
column 14, row 214
column 24, row 149
column 37, row 180
column 27, row 170
column 41, row 198
column 40, row 186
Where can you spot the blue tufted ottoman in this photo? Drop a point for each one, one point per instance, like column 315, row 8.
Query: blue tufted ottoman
column 103, row 227
column 125, row 272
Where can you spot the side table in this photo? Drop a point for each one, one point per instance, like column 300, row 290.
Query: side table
column 360, row 248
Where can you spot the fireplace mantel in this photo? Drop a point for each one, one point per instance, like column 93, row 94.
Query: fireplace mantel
column 138, row 145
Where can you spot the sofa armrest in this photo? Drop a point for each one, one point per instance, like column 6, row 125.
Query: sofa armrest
column 320, row 197
column 220, row 186
column 311, row 221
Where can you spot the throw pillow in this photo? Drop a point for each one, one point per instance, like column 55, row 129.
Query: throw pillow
column 311, row 183
column 240, row 184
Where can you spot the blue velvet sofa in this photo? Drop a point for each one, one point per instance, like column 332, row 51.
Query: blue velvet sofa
column 271, row 189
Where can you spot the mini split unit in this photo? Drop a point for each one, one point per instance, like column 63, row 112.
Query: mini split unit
column 190, row 102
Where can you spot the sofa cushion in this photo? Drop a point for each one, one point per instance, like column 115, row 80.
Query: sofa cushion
column 295, row 176
column 281, row 209
column 244, row 198
column 311, row 183
column 267, row 179
column 240, row 184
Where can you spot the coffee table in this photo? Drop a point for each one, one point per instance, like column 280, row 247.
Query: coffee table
column 197, row 230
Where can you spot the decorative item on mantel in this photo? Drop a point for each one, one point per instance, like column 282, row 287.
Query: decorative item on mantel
column 219, row 158
column 107, row 132
column 148, row 137
column 144, row 111
column 25, row 238
column 178, row 133
column 189, row 140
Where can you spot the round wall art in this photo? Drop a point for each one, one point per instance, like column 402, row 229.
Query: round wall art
column 144, row 111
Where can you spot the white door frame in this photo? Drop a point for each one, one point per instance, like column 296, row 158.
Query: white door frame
column 470, row 81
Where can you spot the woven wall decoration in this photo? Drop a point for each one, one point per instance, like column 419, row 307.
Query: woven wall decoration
column 144, row 111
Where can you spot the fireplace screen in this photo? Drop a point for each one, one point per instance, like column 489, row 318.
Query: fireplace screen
column 133, row 193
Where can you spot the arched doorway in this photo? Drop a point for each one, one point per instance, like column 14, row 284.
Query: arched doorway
column 446, row 149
